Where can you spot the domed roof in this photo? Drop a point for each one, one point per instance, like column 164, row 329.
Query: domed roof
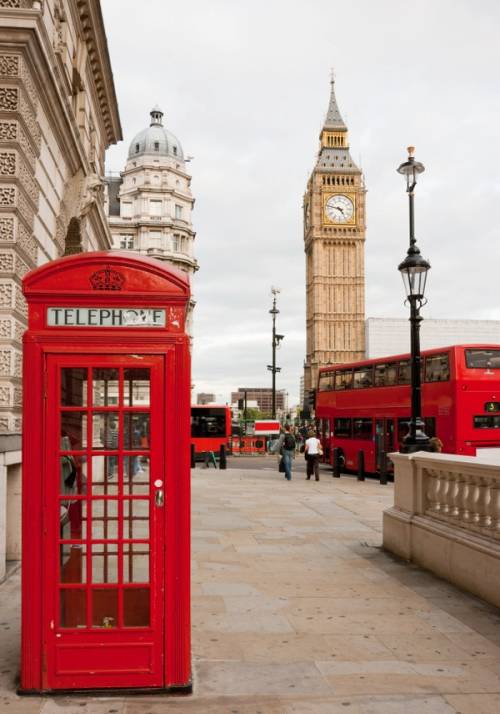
column 156, row 140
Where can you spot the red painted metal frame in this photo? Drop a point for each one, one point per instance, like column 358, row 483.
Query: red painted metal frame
column 451, row 403
column 144, row 283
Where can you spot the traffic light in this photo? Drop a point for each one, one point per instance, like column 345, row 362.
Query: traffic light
column 241, row 404
column 311, row 399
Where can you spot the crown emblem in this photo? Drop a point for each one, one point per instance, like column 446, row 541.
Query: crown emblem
column 107, row 279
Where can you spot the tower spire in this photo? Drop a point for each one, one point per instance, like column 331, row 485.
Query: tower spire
column 333, row 117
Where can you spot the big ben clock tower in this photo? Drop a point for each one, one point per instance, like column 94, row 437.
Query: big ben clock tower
column 334, row 238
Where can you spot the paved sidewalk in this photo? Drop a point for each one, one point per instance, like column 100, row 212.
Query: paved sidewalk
column 297, row 610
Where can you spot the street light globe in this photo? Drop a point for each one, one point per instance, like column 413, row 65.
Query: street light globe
column 414, row 269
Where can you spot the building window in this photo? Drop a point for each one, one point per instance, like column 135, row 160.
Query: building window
column 175, row 151
column 178, row 211
column 157, row 145
column 137, row 148
column 176, row 243
column 126, row 209
column 155, row 239
column 155, row 209
column 127, row 242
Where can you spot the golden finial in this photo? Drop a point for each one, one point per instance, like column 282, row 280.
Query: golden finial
column 411, row 151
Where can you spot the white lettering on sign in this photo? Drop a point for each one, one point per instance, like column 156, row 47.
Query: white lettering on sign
column 105, row 317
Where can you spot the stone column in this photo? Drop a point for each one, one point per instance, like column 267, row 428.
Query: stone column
column 19, row 192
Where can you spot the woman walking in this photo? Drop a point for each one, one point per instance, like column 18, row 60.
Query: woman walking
column 313, row 451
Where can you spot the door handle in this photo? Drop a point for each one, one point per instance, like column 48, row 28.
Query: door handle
column 159, row 497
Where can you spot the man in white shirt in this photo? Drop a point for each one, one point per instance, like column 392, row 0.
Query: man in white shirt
column 313, row 451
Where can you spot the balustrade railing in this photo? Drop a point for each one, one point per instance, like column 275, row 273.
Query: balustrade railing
column 467, row 500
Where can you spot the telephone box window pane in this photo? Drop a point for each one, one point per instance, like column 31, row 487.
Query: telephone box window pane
column 105, row 431
column 73, row 563
column 136, row 563
column 73, row 431
column 104, row 563
column 136, row 387
column 73, row 475
column 136, row 518
column 73, row 387
column 136, row 431
column 72, row 519
column 105, row 607
column 136, row 607
column 105, row 391
column 73, row 608
column 104, row 475
column 104, row 519
column 136, row 475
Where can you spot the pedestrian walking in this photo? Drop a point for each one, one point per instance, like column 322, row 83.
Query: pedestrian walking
column 313, row 451
column 285, row 446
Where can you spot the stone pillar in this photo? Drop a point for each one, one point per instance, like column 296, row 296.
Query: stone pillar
column 19, row 192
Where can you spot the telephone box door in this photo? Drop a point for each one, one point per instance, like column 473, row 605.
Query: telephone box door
column 104, row 519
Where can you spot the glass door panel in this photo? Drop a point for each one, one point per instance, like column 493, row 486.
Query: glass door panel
column 108, row 539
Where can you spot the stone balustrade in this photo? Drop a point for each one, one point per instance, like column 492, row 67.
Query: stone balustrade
column 446, row 517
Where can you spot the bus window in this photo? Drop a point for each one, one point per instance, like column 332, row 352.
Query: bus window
column 386, row 375
column 482, row 359
column 363, row 377
column 487, row 422
column 205, row 425
column 404, row 372
column 380, row 374
column 403, row 429
column 342, row 428
column 362, row 428
column 343, row 379
column 430, row 426
column 391, row 374
column 437, row 368
column 326, row 381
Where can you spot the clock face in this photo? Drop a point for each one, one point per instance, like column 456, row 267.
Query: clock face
column 339, row 209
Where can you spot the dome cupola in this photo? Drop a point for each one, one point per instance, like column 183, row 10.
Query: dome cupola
column 156, row 140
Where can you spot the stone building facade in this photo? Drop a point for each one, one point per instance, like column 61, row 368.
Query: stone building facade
column 334, row 238
column 58, row 114
column 149, row 203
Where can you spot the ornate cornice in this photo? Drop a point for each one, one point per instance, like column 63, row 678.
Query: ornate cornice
column 95, row 36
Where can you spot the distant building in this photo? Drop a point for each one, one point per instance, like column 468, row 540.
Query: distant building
column 263, row 396
column 385, row 336
column 205, row 398
column 149, row 203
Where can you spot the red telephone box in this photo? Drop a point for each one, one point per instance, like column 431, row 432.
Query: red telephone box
column 106, row 469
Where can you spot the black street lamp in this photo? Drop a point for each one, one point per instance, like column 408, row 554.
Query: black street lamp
column 414, row 269
column 276, row 339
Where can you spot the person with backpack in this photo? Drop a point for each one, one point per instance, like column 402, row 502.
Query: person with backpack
column 285, row 446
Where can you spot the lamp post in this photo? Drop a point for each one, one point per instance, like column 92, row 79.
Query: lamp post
column 276, row 339
column 414, row 269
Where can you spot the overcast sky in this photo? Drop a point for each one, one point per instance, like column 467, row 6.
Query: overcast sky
column 245, row 87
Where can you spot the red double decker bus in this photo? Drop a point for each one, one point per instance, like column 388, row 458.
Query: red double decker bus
column 210, row 428
column 366, row 406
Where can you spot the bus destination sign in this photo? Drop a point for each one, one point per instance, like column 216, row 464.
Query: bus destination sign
column 105, row 317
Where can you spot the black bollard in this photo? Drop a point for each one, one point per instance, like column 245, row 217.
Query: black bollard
column 361, row 465
column 222, row 457
column 193, row 457
column 383, row 468
column 336, row 462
